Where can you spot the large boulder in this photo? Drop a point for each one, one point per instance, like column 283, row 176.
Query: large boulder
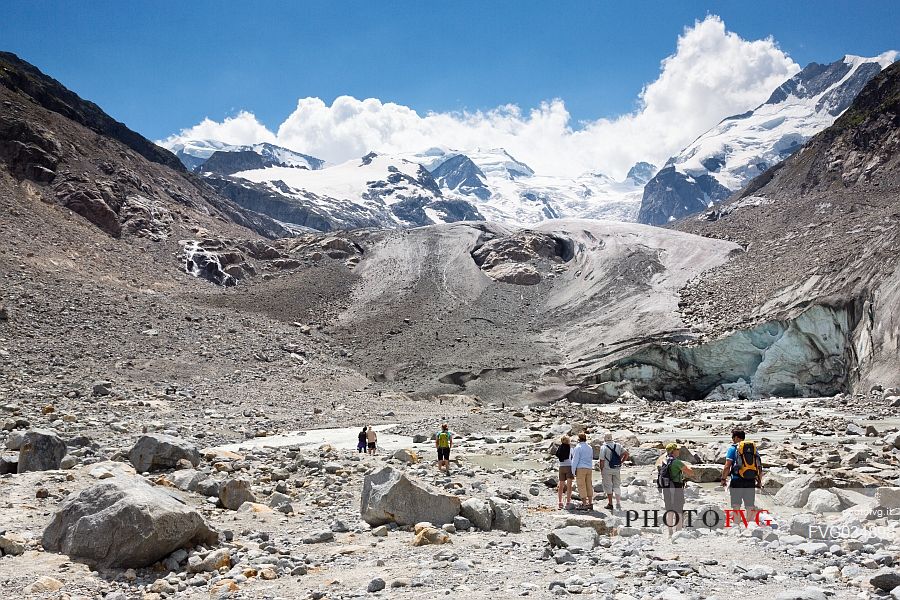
column 41, row 450
column 155, row 452
column 479, row 512
column 823, row 501
column 124, row 522
column 706, row 473
column 506, row 516
column 807, row 525
column 390, row 496
column 644, row 456
column 795, row 493
column 585, row 538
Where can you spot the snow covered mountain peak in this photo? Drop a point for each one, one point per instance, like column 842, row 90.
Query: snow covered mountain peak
column 194, row 153
column 741, row 147
column 641, row 172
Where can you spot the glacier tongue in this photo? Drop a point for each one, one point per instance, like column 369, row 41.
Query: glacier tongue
column 810, row 355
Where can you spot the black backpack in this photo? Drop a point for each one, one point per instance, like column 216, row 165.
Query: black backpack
column 615, row 459
column 664, row 474
column 563, row 452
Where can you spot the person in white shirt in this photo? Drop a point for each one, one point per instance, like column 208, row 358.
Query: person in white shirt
column 612, row 455
column 582, row 465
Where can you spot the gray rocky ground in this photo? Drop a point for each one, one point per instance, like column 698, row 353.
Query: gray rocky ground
column 296, row 529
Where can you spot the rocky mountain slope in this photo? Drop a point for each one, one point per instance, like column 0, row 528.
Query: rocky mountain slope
column 822, row 238
column 66, row 151
column 725, row 158
column 27, row 81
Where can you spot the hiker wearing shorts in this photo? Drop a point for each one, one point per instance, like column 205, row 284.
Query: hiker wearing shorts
column 743, row 471
column 612, row 455
column 566, row 476
column 671, row 473
column 443, row 441
column 371, row 440
column 582, row 466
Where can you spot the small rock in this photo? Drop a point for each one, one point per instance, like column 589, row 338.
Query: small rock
column 235, row 492
column 41, row 450
column 102, row 388
column 319, row 537
column 44, row 585
column 380, row 531
column 12, row 544
column 885, row 579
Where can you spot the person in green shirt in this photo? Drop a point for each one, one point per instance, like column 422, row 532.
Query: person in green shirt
column 671, row 475
column 443, row 441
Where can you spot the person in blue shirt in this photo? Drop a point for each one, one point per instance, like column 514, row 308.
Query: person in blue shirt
column 583, row 465
column 742, row 489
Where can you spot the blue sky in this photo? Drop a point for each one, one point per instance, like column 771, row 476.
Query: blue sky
column 163, row 66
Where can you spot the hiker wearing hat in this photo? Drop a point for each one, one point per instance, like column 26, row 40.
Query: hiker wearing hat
column 671, row 473
column 612, row 454
column 582, row 465
column 742, row 472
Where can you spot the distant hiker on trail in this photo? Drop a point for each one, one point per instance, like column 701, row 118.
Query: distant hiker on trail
column 582, row 465
column 443, row 441
column 566, row 476
column 371, row 439
column 361, row 444
column 743, row 471
column 671, row 472
column 612, row 454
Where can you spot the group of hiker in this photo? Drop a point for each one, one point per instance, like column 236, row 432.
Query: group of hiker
column 368, row 440
column 742, row 474
column 443, row 443
column 576, row 464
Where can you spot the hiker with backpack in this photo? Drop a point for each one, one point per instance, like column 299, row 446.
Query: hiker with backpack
column 743, row 471
column 566, row 476
column 443, row 441
column 670, row 477
column 582, row 466
column 611, row 456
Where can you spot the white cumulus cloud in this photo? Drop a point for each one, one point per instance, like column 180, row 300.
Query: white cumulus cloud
column 243, row 128
column 712, row 74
